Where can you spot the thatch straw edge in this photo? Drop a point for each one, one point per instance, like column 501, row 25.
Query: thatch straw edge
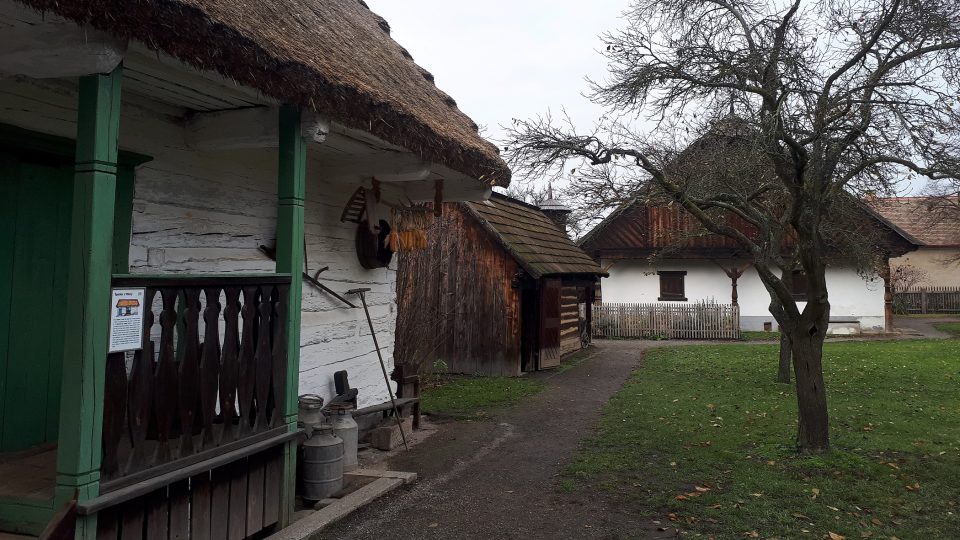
column 208, row 44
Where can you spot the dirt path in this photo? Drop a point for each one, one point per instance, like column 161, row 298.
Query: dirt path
column 498, row 479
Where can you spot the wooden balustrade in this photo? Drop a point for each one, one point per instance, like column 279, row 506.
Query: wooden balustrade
column 209, row 379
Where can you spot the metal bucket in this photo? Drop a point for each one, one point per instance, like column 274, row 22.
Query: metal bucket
column 322, row 466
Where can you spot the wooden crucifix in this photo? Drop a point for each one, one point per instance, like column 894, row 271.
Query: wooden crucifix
column 734, row 273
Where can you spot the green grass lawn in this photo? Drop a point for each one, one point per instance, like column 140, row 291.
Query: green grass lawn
column 952, row 328
column 701, row 438
column 465, row 397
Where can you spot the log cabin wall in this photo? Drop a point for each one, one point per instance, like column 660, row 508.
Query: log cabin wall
column 457, row 302
column 571, row 318
column 208, row 212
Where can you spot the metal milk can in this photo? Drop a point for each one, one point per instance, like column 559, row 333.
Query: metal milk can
column 322, row 465
column 345, row 427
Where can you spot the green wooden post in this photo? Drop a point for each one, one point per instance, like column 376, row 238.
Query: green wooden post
column 123, row 220
column 88, row 293
column 291, row 191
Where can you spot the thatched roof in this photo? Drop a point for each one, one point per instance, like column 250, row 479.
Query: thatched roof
column 335, row 57
column 531, row 238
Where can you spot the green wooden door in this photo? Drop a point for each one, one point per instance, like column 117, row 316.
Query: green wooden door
column 35, row 207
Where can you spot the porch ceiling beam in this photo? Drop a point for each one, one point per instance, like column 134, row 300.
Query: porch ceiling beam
column 50, row 46
column 452, row 191
column 385, row 167
column 254, row 127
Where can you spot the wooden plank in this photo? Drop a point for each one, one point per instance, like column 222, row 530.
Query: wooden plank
column 157, row 515
column 201, row 493
column 131, row 527
column 237, row 521
column 255, row 494
column 272, row 486
column 220, row 503
column 108, row 524
column 180, row 510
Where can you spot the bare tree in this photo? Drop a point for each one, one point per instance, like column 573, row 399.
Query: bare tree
column 839, row 97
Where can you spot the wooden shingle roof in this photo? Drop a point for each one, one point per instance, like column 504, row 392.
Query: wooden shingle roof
column 531, row 238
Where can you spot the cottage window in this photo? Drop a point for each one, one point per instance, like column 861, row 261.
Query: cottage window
column 798, row 286
column 671, row 286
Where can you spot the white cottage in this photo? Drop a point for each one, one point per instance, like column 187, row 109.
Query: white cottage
column 209, row 153
column 658, row 254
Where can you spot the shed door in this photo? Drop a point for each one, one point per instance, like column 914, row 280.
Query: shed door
column 549, row 323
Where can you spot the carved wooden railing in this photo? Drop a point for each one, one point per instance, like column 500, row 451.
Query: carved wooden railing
column 209, row 379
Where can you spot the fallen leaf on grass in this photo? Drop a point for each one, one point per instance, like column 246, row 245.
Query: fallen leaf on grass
column 914, row 487
column 816, row 493
column 799, row 515
column 701, row 489
column 835, row 536
column 752, row 534
column 875, row 521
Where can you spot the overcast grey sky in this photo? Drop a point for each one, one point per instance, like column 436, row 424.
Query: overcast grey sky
column 503, row 59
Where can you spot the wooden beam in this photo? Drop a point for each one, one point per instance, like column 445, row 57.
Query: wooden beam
column 384, row 166
column 254, row 127
column 291, row 192
column 51, row 46
column 88, row 293
column 424, row 191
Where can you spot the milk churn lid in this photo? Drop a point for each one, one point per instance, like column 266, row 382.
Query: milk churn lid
column 310, row 401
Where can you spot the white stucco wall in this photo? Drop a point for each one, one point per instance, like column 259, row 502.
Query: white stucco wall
column 936, row 263
column 851, row 296
column 209, row 212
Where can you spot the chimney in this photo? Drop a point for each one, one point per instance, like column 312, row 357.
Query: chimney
column 555, row 210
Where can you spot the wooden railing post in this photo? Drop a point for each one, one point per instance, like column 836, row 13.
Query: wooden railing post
column 88, row 294
column 291, row 192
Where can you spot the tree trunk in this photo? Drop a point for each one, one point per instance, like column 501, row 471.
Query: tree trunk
column 807, row 346
column 786, row 354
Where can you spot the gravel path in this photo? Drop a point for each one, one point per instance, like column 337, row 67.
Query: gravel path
column 498, row 479
column 924, row 325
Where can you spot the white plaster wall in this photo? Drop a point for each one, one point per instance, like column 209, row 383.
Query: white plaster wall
column 209, row 212
column 940, row 272
column 851, row 296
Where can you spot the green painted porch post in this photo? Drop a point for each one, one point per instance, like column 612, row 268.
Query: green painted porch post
column 88, row 293
column 291, row 191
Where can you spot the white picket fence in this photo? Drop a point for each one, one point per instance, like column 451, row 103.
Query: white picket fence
column 673, row 321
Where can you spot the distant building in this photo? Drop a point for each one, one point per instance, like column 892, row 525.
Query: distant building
column 937, row 258
column 500, row 290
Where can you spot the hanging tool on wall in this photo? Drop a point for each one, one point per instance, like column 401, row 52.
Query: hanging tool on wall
column 314, row 279
column 383, row 367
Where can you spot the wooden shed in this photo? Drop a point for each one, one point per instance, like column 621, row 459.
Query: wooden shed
column 500, row 290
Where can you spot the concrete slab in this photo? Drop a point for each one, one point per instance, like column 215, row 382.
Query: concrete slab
column 311, row 525
column 407, row 477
